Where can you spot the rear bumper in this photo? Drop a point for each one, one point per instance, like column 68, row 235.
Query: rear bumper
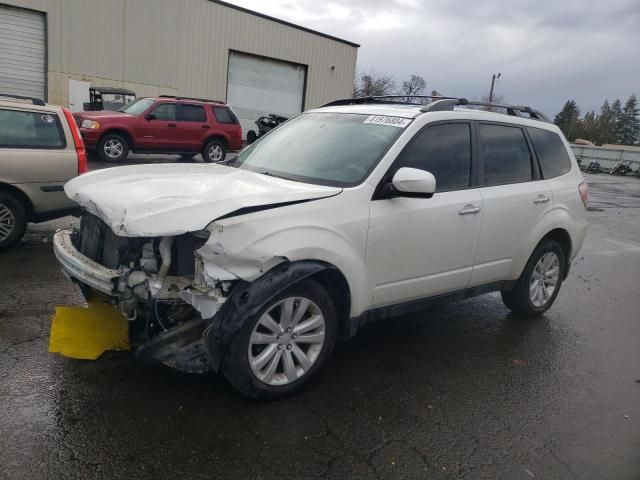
column 82, row 268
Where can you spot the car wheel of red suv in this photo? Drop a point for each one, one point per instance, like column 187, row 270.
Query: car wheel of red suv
column 214, row 151
column 113, row 148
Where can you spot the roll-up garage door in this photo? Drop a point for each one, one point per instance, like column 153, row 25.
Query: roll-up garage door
column 22, row 52
column 258, row 86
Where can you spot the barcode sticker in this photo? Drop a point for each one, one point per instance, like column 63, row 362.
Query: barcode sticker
column 388, row 121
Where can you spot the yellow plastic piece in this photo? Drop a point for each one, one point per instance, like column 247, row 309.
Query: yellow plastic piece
column 86, row 333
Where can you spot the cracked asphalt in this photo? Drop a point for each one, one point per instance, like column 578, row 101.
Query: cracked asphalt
column 462, row 391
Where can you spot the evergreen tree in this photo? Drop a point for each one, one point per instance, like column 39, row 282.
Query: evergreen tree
column 630, row 123
column 606, row 125
column 568, row 120
column 616, row 111
column 590, row 130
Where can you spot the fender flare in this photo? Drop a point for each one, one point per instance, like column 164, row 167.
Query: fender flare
column 248, row 298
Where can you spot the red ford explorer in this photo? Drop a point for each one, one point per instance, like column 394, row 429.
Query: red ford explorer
column 180, row 125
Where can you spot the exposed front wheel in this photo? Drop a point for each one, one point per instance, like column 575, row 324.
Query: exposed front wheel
column 539, row 284
column 280, row 350
column 214, row 152
column 13, row 220
column 113, row 148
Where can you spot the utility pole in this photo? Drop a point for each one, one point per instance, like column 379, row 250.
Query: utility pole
column 493, row 82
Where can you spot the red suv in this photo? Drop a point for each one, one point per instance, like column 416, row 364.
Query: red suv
column 181, row 125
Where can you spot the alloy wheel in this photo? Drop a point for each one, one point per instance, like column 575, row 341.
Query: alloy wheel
column 544, row 279
column 7, row 222
column 286, row 341
column 113, row 148
column 215, row 153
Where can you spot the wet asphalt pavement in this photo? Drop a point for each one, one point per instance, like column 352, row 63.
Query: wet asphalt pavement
column 461, row 391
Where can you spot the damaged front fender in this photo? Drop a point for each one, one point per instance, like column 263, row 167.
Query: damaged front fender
column 248, row 299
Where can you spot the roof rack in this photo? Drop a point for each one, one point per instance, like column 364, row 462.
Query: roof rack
column 441, row 104
column 514, row 110
column 389, row 99
column 192, row 98
column 35, row 101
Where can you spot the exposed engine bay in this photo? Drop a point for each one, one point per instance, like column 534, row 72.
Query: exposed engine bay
column 160, row 288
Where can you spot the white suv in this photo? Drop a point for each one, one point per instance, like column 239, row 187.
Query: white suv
column 353, row 212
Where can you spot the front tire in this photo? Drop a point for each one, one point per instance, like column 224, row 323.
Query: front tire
column 13, row 220
column 538, row 286
column 113, row 148
column 281, row 349
column 214, row 152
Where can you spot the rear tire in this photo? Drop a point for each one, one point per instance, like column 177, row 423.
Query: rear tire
column 214, row 152
column 292, row 360
column 113, row 148
column 13, row 220
column 538, row 286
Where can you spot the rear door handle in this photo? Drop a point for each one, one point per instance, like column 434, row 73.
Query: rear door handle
column 469, row 210
column 205, row 126
column 173, row 125
column 541, row 199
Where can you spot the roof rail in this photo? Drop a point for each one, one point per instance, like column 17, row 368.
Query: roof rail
column 395, row 99
column 514, row 110
column 191, row 98
column 35, row 101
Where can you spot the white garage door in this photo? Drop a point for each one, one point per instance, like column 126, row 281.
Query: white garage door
column 258, row 86
column 22, row 52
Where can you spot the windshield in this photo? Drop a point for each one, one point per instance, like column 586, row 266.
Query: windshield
column 333, row 149
column 137, row 107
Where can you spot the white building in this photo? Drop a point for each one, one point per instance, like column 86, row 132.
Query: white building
column 53, row 49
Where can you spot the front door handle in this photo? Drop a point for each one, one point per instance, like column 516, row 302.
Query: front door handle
column 172, row 125
column 469, row 210
column 541, row 199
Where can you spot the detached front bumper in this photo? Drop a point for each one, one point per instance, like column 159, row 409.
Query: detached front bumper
column 82, row 268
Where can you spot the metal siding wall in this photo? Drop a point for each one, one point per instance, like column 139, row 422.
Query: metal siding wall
column 178, row 46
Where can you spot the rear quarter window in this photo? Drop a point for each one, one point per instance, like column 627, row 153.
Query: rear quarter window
column 552, row 154
column 20, row 129
column 224, row 115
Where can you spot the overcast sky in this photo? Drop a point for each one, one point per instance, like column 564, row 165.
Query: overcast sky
column 548, row 51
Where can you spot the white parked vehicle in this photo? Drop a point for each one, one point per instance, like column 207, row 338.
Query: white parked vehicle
column 356, row 211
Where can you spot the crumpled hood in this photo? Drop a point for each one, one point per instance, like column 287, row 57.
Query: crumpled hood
column 171, row 199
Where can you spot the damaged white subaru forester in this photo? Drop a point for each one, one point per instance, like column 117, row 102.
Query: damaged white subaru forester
column 360, row 210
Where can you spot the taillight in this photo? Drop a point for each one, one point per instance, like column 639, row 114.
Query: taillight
column 583, row 188
column 77, row 140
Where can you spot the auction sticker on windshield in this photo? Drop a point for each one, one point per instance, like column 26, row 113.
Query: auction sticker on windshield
column 388, row 121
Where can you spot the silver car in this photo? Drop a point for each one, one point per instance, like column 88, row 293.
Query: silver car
column 40, row 150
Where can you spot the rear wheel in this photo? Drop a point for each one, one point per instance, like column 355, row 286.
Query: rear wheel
column 282, row 348
column 538, row 286
column 214, row 152
column 113, row 148
column 13, row 220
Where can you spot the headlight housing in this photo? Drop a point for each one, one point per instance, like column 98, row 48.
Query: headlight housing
column 90, row 124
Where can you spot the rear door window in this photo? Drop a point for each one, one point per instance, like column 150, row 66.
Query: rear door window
column 505, row 155
column 20, row 129
column 445, row 151
column 224, row 115
column 552, row 154
column 191, row 113
column 165, row 112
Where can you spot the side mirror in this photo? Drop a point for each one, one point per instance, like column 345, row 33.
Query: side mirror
column 413, row 182
column 150, row 116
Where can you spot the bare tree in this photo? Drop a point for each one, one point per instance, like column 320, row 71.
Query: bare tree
column 373, row 84
column 496, row 99
column 414, row 86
